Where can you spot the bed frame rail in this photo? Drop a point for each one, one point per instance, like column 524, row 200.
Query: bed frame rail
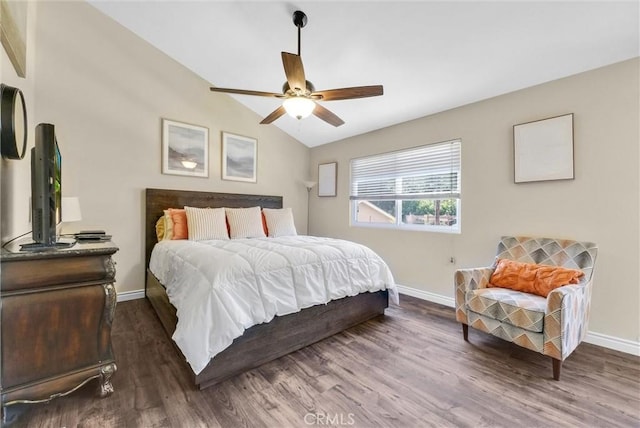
column 285, row 334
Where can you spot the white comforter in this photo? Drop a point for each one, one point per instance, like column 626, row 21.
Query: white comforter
column 221, row 288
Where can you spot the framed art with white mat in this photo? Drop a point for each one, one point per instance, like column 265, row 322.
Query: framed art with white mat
column 543, row 150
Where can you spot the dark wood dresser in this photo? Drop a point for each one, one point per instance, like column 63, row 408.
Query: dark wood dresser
column 56, row 310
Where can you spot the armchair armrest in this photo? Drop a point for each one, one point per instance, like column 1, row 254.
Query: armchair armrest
column 467, row 280
column 565, row 323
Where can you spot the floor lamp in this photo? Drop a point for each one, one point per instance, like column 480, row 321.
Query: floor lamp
column 308, row 185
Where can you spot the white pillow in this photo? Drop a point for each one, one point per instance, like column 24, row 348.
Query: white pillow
column 245, row 222
column 206, row 223
column 279, row 222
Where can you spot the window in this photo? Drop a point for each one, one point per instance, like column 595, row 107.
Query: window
column 417, row 188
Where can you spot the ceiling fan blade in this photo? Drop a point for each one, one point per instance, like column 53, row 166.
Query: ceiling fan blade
column 247, row 92
column 350, row 93
column 294, row 70
column 327, row 116
column 277, row 113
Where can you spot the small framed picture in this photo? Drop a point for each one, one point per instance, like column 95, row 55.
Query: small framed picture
column 239, row 158
column 185, row 149
column 327, row 179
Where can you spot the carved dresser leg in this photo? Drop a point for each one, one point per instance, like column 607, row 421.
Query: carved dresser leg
column 106, row 388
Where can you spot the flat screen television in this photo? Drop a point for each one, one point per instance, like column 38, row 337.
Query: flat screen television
column 46, row 190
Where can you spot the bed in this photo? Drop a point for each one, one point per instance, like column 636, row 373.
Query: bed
column 263, row 342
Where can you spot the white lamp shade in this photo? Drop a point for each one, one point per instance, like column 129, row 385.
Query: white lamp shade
column 71, row 209
column 309, row 184
column 299, row 107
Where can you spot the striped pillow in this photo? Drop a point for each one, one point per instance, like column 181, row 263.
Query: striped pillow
column 280, row 222
column 206, row 223
column 245, row 222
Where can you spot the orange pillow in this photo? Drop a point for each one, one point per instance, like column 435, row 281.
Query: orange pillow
column 532, row 278
column 179, row 217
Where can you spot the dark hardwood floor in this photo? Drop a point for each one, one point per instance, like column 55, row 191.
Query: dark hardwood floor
column 410, row 368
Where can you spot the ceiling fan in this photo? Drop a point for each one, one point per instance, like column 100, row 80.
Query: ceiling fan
column 299, row 95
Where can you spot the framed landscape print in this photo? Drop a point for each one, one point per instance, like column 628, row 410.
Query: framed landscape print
column 239, row 158
column 185, row 149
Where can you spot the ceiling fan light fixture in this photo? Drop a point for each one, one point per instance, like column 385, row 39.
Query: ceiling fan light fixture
column 299, row 94
column 299, row 107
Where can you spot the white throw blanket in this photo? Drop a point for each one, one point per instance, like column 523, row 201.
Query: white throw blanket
column 221, row 288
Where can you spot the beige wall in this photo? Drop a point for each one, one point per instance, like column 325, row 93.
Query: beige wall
column 15, row 175
column 106, row 91
column 600, row 205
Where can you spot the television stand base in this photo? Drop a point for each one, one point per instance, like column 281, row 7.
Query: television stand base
column 37, row 246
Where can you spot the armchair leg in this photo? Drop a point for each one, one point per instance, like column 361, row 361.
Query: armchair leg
column 557, row 364
column 465, row 332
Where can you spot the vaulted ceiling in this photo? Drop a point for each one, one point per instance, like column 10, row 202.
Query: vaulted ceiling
column 430, row 56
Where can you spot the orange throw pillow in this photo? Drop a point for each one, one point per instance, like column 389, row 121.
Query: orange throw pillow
column 532, row 278
column 179, row 217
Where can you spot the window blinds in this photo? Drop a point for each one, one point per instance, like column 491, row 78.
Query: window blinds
column 425, row 172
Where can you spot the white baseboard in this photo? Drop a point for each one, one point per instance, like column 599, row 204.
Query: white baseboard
column 610, row 342
column 425, row 295
column 130, row 295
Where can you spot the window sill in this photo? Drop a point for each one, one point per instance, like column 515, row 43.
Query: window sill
column 409, row 227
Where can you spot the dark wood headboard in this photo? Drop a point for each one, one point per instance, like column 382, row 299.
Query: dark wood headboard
column 158, row 200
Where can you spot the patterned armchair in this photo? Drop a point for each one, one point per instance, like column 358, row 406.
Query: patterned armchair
column 552, row 326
